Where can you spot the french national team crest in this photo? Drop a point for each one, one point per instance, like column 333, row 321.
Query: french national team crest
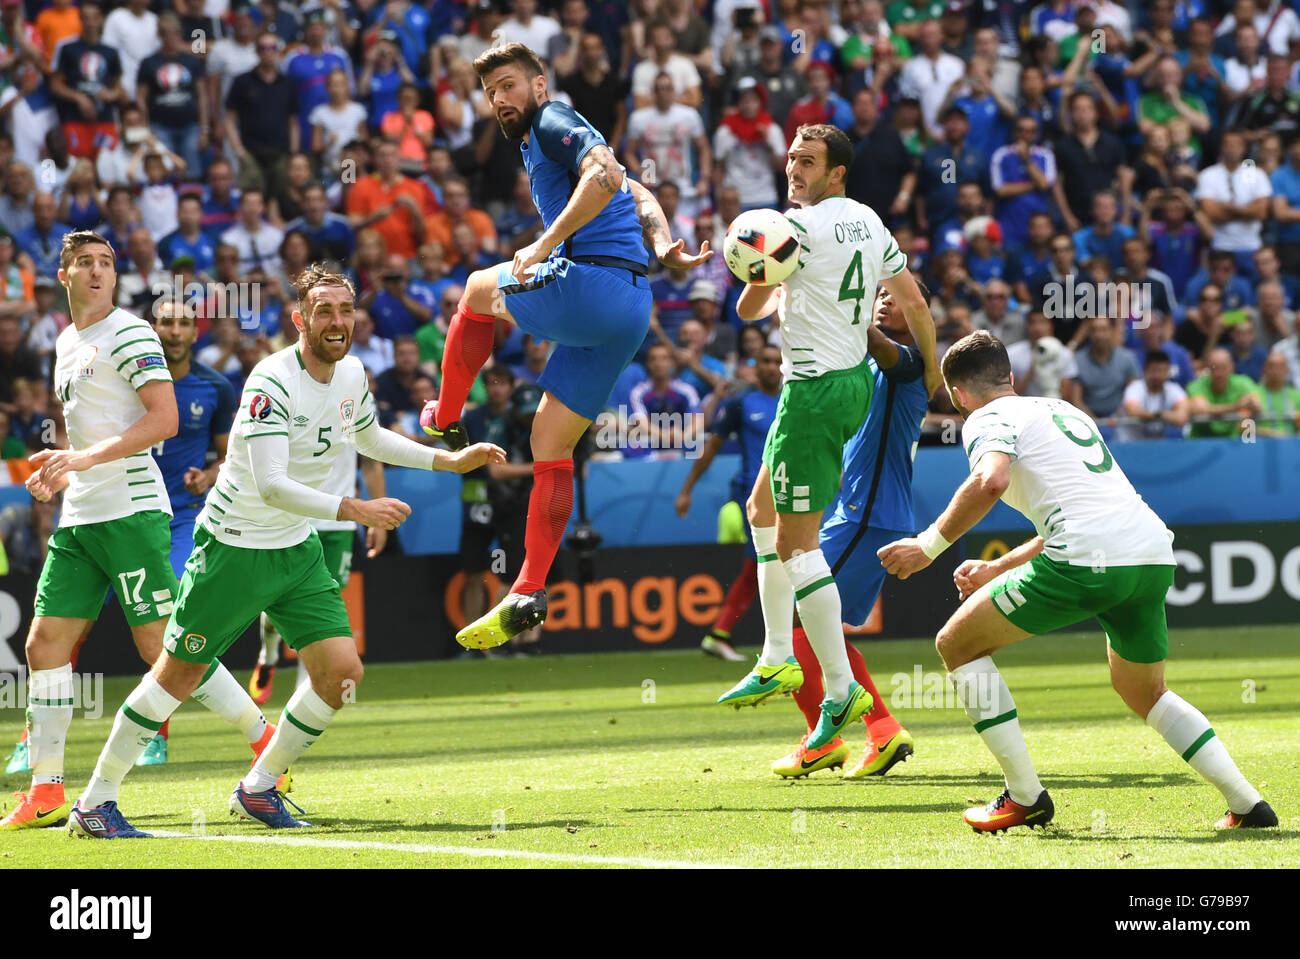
column 260, row 407
column 346, row 409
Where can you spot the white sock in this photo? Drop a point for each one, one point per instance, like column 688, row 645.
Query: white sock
column 819, row 612
column 270, row 654
column 1186, row 729
column 134, row 727
column 221, row 692
column 304, row 678
column 776, row 596
column 49, row 714
column 984, row 694
column 305, row 717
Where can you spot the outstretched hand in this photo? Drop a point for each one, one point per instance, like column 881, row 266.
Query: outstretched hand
column 677, row 258
column 474, row 456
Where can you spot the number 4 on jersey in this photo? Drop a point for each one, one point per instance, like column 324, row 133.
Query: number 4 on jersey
column 858, row 290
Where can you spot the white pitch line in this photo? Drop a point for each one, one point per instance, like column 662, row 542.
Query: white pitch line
column 480, row 852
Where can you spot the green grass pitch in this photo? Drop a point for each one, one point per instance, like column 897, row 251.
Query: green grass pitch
column 622, row 759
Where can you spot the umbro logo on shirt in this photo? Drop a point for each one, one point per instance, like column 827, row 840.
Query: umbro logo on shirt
column 300, row 421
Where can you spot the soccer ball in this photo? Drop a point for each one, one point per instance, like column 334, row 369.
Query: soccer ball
column 761, row 248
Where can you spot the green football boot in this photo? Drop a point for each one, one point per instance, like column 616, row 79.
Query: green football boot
column 763, row 682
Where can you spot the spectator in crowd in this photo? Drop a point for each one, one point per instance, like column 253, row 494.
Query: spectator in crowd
column 1105, row 369
column 883, row 173
column 596, row 90
column 131, row 30
column 1248, row 354
column 1244, row 73
column 663, row 407
column 1040, row 363
column 1155, row 290
column 398, row 307
column 16, row 201
column 260, row 111
column 1224, row 394
column 228, row 57
column 536, row 353
column 1279, row 400
column 124, row 163
column 703, row 372
column 1158, row 334
column 1290, row 350
column 393, row 386
column 784, row 85
column 663, row 57
column 1088, row 160
column 172, row 91
column 257, row 241
column 188, row 239
column 79, row 202
column 1158, row 402
column 822, row 105
column 1273, row 321
column 1285, row 182
column 670, row 200
column 310, row 65
column 340, row 120
column 1222, row 272
column 1275, row 107
column 671, row 293
column 374, row 351
column 16, row 283
column 394, row 204
column 157, row 199
column 749, row 149
column 17, row 362
column 383, row 75
column 432, row 336
column 1235, row 198
column 1268, row 269
column 1104, row 236
column 660, row 140
column 145, row 279
column 528, row 27
column 43, row 240
column 220, row 199
column 330, row 234
column 1032, row 258
column 985, row 257
column 1168, row 100
column 931, row 73
column 945, row 168
column 222, row 352
column 997, row 316
column 1178, row 230
column 520, row 224
column 1022, row 174
column 86, row 83
column 1202, row 330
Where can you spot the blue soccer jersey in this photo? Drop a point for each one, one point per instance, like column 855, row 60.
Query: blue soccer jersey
column 206, row 402
column 747, row 417
column 877, row 484
column 203, row 250
column 309, row 71
column 560, row 139
column 334, row 239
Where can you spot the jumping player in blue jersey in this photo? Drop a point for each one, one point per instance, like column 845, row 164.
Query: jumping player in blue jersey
column 873, row 505
column 746, row 416
column 581, row 285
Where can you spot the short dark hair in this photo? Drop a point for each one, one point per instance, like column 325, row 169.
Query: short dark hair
column 839, row 149
column 190, row 197
column 1156, row 356
column 977, row 362
column 1221, row 256
column 73, row 242
column 316, row 276
column 499, row 371
column 925, row 290
column 493, row 58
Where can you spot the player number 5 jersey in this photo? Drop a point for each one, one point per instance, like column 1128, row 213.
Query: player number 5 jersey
column 280, row 397
column 825, row 305
column 1066, row 482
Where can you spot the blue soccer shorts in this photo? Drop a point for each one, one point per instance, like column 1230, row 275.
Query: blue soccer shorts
column 182, row 539
column 850, row 551
column 597, row 317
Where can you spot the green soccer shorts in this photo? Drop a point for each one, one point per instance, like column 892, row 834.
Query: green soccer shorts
column 227, row 587
column 1128, row 601
column 128, row 554
column 804, row 451
column 337, row 545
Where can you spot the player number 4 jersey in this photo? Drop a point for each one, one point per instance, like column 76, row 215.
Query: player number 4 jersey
column 280, row 397
column 825, row 305
column 1066, row 482
column 97, row 372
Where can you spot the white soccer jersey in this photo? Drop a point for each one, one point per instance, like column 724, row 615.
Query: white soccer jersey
column 825, row 305
column 1065, row 481
column 96, row 374
column 342, row 481
column 280, row 397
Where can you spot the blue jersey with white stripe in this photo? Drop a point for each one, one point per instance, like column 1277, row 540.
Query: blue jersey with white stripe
column 747, row 417
column 559, row 139
column 206, row 402
column 877, row 483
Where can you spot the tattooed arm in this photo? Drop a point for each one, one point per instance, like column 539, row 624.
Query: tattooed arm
column 599, row 178
column 654, row 228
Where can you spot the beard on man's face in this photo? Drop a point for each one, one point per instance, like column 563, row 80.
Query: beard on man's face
column 519, row 123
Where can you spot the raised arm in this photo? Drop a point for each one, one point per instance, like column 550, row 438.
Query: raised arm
column 654, row 229
column 902, row 287
column 599, row 177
